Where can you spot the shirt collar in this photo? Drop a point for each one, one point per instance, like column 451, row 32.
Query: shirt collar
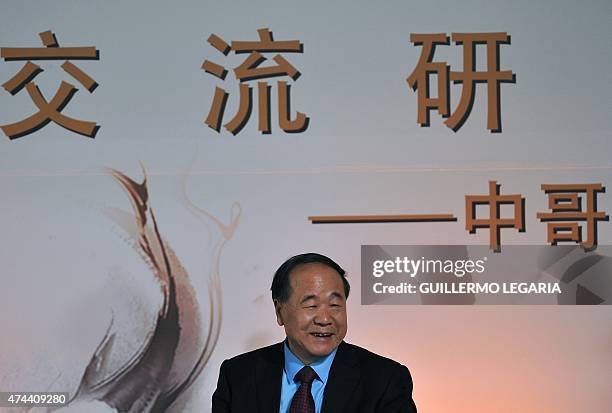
column 293, row 365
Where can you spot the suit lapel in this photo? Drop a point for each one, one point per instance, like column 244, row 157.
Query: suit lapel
column 342, row 382
column 268, row 375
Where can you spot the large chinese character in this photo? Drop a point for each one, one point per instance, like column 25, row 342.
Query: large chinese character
column 566, row 205
column 494, row 222
column 49, row 110
column 250, row 70
column 419, row 78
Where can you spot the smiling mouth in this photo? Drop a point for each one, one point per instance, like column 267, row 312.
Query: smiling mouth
column 322, row 335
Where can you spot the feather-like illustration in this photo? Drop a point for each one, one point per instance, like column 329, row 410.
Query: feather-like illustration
column 163, row 368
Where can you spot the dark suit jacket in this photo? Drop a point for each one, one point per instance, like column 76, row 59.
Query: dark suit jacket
column 359, row 382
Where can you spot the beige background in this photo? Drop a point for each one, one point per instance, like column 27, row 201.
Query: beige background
column 67, row 267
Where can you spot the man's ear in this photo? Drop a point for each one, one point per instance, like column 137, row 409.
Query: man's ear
column 277, row 309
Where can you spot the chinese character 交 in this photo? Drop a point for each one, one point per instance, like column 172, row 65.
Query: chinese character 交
column 49, row 110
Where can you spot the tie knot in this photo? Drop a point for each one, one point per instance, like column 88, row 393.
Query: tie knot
column 306, row 375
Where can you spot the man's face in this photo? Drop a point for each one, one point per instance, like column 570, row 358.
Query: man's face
column 314, row 316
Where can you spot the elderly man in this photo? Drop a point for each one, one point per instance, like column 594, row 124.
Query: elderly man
column 313, row 370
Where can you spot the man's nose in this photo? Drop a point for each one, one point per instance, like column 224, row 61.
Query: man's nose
column 323, row 316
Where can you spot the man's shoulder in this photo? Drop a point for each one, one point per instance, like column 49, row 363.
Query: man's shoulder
column 270, row 354
column 347, row 353
column 366, row 358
